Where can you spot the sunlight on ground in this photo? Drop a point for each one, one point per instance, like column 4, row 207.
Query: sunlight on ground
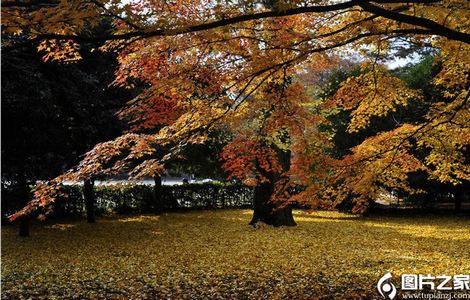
column 215, row 254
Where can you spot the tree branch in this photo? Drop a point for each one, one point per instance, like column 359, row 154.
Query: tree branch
column 29, row 4
column 435, row 27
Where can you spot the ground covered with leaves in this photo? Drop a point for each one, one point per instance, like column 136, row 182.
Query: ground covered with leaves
column 216, row 255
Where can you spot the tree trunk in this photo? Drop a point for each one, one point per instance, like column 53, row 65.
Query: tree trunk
column 24, row 195
column 89, row 196
column 460, row 196
column 266, row 209
column 24, row 227
column 222, row 197
column 458, row 202
column 270, row 212
column 157, row 194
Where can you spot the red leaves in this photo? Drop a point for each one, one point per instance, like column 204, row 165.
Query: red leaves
column 152, row 112
column 250, row 159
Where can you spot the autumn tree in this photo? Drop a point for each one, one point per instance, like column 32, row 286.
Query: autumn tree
column 419, row 77
column 232, row 65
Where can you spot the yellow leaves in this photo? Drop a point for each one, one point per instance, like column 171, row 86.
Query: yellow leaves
column 437, row 145
column 453, row 77
column 374, row 93
column 447, row 136
column 284, row 5
column 62, row 51
column 379, row 163
column 61, row 17
column 215, row 255
column 448, row 167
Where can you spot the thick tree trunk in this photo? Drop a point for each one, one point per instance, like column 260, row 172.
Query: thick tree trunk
column 157, row 194
column 266, row 209
column 89, row 196
column 270, row 212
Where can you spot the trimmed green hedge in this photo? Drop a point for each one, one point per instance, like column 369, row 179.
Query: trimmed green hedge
column 138, row 198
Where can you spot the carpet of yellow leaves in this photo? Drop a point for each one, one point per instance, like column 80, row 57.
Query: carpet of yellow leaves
column 216, row 255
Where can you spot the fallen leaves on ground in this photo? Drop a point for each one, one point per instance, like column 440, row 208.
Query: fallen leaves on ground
column 216, row 255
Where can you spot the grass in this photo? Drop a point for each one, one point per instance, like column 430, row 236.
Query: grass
column 215, row 254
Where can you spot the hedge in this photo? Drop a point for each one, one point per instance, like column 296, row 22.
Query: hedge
column 139, row 198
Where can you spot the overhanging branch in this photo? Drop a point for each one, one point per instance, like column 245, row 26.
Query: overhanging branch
column 434, row 27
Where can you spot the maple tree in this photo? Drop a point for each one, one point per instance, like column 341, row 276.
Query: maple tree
column 235, row 65
column 421, row 187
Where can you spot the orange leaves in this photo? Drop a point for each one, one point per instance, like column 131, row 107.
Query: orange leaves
column 133, row 154
column 45, row 194
column 241, row 78
column 61, row 17
column 150, row 167
column 116, row 156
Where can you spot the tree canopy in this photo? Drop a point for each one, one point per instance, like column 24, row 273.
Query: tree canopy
column 236, row 66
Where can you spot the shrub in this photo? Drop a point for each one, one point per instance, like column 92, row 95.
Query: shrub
column 139, row 198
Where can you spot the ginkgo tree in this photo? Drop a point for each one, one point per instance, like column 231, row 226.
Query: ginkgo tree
column 233, row 65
